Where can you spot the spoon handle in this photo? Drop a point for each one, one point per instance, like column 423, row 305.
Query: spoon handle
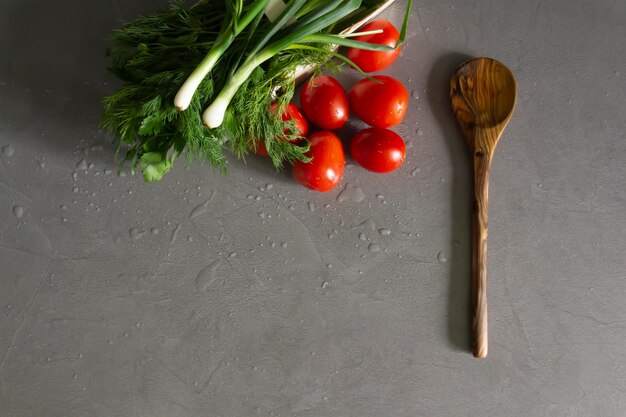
column 482, row 165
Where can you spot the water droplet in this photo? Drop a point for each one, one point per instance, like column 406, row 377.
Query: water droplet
column 232, row 255
column 136, row 234
column 189, row 238
column 64, row 220
column 362, row 237
column 441, row 257
column 311, row 206
column 91, row 166
column 415, row 94
column 18, row 211
column 456, row 244
column 420, row 132
column 325, row 284
column 384, row 232
column 174, row 233
column 373, row 247
column 351, row 193
column 269, row 186
column 207, row 275
column 82, row 165
column 154, row 231
column 380, row 196
column 415, row 171
column 75, row 190
column 616, row 73
column 75, row 376
column 367, row 224
column 8, row 150
column 200, row 209
column 283, row 245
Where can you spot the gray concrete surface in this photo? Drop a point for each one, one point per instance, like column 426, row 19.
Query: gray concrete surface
column 251, row 296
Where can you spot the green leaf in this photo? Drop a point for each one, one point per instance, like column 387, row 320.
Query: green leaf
column 151, row 125
column 154, row 166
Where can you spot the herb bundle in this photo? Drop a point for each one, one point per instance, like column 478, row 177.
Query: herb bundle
column 201, row 79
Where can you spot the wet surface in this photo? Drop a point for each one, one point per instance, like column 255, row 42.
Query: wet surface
column 249, row 295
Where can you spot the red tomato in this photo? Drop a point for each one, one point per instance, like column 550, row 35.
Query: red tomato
column 379, row 104
column 370, row 61
column 292, row 112
column 378, row 150
column 324, row 102
column 325, row 170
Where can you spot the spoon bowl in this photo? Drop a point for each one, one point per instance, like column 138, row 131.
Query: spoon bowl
column 487, row 91
column 482, row 93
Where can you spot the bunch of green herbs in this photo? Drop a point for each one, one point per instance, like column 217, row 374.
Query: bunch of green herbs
column 155, row 54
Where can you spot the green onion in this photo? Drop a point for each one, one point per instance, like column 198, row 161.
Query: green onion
column 226, row 37
column 305, row 31
column 214, row 114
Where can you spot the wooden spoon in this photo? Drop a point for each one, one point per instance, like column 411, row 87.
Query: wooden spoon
column 482, row 92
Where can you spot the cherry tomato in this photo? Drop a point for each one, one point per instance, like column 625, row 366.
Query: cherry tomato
column 324, row 102
column 292, row 112
column 379, row 104
column 370, row 61
column 379, row 150
column 325, row 170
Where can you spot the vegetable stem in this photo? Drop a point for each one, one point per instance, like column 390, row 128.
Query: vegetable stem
column 234, row 28
column 188, row 89
column 356, row 34
column 343, row 41
column 213, row 116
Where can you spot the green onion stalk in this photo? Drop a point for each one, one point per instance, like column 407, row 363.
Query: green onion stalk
column 226, row 37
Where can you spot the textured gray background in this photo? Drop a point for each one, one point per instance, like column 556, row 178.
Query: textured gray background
column 251, row 296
